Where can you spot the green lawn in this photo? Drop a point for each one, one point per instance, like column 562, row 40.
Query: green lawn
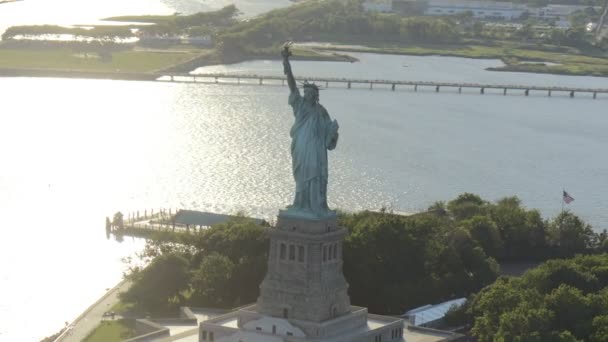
column 143, row 61
column 565, row 69
column 571, row 63
column 110, row 331
column 68, row 59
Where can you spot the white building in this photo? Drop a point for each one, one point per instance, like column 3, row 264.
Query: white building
column 382, row 6
column 556, row 12
column 432, row 315
column 480, row 9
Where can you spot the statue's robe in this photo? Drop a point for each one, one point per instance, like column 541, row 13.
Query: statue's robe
column 312, row 135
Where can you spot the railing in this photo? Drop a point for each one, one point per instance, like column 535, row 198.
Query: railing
column 349, row 82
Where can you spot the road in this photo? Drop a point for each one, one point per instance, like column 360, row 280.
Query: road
column 90, row 318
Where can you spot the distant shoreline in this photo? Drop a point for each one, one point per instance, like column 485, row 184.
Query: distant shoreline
column 537, row 67
column 185, row 67
column 51, row 73
column 43, row 58
column 529, row 64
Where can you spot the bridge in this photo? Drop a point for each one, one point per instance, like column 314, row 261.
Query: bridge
column 393, row 85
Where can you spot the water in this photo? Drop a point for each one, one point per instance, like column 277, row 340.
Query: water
column 414, row 68
column 75, row 151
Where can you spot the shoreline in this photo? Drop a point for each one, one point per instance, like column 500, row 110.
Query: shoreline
column 529, row 65
column 75, row 328
column 210, row 60
column 55, row 73
column 185, row 67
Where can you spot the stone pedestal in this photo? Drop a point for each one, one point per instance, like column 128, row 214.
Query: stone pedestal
column 305, row 280
column 304, row 294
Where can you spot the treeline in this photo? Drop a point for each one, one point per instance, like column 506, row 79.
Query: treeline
column 329, row 20
column 201, row 23
column 561, row 300
column 224, row 265
column 452, row 250
column 394, row 262
column 99, row 32
column 391, row 262
column 310, row 20
column 507, row 231
column 346, row 21
column 219, row 267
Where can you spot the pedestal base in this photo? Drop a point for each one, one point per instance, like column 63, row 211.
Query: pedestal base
column 247, row 324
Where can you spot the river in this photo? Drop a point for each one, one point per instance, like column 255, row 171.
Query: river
column 75, row 151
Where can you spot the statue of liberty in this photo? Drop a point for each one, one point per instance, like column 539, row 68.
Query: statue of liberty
column 312, row 134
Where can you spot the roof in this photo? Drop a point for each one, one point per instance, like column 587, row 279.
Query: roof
column 429, row 313
column 202, row 218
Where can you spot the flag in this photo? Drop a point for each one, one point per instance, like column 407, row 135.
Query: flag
column 567, row 198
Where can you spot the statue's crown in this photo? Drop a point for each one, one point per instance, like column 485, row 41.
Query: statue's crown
column 306, row 84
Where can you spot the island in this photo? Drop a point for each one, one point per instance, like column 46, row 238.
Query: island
column 331, row 29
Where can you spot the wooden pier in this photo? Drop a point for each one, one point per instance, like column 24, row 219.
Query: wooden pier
column 146, row 223
column 385, row 84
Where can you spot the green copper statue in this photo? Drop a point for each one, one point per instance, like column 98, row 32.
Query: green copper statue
column 312, row 134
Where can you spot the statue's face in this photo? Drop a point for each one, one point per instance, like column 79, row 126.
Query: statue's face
column 310, row 94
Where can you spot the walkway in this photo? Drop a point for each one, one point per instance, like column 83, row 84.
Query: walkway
column 387, row 84
column 89, row 320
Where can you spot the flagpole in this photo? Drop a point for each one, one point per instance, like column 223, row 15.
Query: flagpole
column 563, row 190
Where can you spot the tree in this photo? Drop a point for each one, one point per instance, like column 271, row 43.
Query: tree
column 526, row 32
column 571, row 234
column 572, row 309
column 523, row 232
column 525, row 323
column 236, row 239
column 600, row 329
column 561, row 300
column 478, row 28
column 438, row 208
column 159, row 285
column 211, row 282
column 245, row 244
column 601, row 241
column 490, row 303
column 484, row 231
column 575, row 36
column 557, row 36
column 555, row 273
column 399, row 253
column 466, row 206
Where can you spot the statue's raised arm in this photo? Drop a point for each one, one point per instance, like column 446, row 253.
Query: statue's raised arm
column 291, row 81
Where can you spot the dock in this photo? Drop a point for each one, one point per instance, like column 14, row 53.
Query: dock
column 146, row 223
column 393, row 85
